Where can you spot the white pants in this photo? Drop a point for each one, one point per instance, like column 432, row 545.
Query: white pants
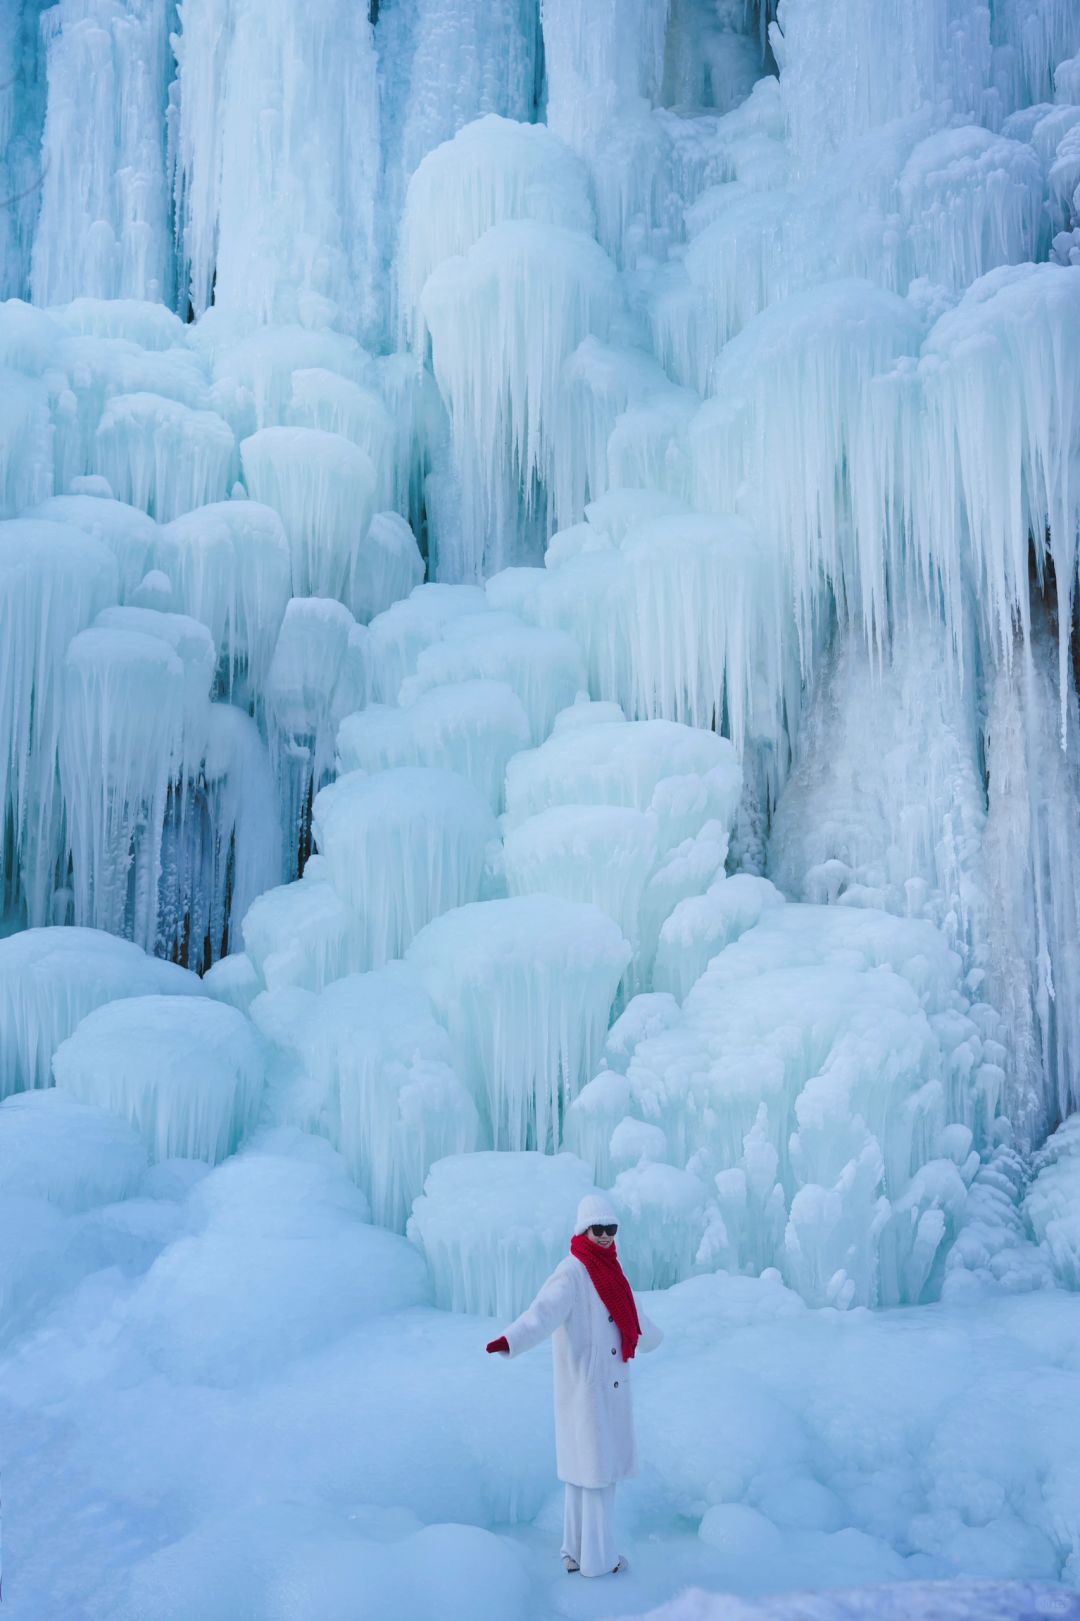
column 588, row 1532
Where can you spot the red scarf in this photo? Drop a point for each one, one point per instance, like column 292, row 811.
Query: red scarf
column 610, row 1282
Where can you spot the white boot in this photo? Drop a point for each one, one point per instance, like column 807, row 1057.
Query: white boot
column 571, row 1566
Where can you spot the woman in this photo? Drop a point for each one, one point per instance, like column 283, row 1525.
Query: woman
column 588, row 1305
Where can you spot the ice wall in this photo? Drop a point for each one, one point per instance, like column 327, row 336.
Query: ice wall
column 103, row 226
column 276, row 154
column 477, row 477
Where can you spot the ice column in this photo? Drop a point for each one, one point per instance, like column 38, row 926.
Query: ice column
column 120, row 746
column 401, row 847
column 503, row 319
column 324, row 488
column 447, row 62
column 391, row 1101
column 53, row 580
column 605, row 67
column 103, row 229
column 52, row 978
column 187, row 1074
column 524, row 987
column 277, row 160
column 318, row 675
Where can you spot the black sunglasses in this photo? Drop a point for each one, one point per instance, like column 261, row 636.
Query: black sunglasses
column 599, row 1231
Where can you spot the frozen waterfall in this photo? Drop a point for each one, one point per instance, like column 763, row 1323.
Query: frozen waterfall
column 538, row 653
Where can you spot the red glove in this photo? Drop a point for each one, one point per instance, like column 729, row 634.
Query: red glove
column 501, row 1344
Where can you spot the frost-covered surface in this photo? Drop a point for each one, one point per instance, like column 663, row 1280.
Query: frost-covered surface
column 962, row 1601
column 538, row 549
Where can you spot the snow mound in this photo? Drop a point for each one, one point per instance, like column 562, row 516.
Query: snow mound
column 280, row 1222
column 69, row 1153
column 959, row 1600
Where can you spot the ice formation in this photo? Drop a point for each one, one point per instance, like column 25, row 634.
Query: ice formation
column 470, row 727
column 50, row 979
column 386, row 1093
column 538, row 551
column 401, row 847
column 228, row 566
column 525, row 987
column 187, row 1076
column 493, row 1226
column 72, row 1154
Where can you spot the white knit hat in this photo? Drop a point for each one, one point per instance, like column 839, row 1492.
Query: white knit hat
column 595, row 1210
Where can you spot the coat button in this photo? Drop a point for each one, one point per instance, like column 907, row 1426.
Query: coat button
column 610, row 1318
column 616, row 1384
column 613, row 1350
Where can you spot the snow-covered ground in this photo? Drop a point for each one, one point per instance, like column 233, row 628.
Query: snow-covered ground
column 250, row 1407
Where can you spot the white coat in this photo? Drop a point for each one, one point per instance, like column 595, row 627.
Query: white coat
column 594, row 1416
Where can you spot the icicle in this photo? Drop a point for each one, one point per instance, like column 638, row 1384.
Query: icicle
column 277, row 161
column 388, row 1096
column 120, row 746
column 103, row 227
column 996, row 415
column 973, row 201
column 399, row 635
column 829, row 53
column 400, row 848
column 503, row 319
column 188, row 1075
column 805, row 366
column 50, row 979
column 129, row 534
column 386, row 567
column 318, row 675
column 324, row 488
column 542, row 666
column 229, row 566
column 163, row 456
column 492, row 171
column 445, row 63
column 685, row 776
column 323, row 399
column 469, row 727
column 605, row 66
column 227, row 840
column 481, row 1262
column 261, row 377
column 597, row 853
column 524, row 987
column 54, row 580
